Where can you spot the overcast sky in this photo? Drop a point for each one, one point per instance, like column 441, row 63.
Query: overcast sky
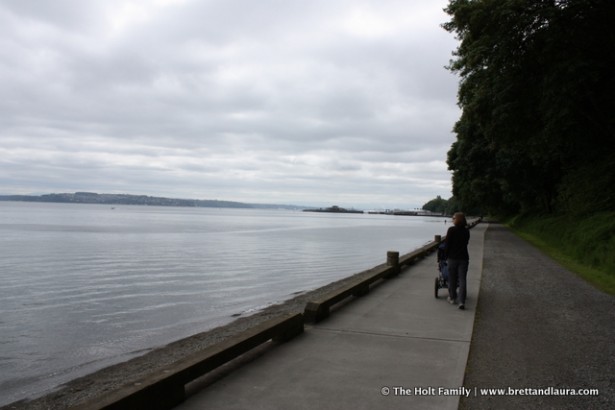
column 308, row 102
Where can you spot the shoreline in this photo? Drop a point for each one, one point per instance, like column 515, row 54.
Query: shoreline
column 113, row 377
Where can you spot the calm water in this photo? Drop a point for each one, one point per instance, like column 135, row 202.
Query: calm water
column 86, row 286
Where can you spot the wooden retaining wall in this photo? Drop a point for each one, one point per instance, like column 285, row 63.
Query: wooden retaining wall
column 166, row 389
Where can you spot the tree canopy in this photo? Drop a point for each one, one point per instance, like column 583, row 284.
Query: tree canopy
column 537, row 129
column 446, row 206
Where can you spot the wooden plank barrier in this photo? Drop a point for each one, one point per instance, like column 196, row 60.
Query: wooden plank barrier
column 165, row 389
column 319, row 309
column 420, row 253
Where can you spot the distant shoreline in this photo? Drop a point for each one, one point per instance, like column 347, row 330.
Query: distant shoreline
column 128, row 199
column 146, row 200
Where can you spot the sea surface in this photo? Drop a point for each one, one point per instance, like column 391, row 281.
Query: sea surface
column 86, row 286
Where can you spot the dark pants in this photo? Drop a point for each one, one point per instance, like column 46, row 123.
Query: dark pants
column 457, row 274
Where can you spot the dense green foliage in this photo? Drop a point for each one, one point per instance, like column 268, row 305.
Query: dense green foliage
column 444, row 206
column 537, row 92
column 436, row 205
column 585, row 245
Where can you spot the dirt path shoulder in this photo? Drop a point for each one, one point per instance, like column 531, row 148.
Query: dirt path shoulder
column 538, row 326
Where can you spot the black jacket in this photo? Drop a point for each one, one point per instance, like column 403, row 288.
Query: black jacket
column 457, row 238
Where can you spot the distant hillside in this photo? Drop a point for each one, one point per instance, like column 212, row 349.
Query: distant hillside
column 126, row 199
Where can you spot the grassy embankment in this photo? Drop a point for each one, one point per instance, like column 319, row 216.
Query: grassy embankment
column 585, row 245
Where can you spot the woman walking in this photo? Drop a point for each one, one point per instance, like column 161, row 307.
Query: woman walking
column 456, row 250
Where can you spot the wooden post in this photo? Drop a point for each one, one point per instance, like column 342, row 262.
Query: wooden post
column 393, row 261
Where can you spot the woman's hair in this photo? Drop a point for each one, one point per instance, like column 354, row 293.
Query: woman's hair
column 460, row 219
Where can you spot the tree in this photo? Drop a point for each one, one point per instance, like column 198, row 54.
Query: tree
column 537, row 97
column 437, row 205
column 448, row 206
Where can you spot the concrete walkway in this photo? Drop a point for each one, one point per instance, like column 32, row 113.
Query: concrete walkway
column 398, row 347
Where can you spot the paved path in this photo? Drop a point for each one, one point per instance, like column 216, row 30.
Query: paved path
column 538, row 326
column 396, row 339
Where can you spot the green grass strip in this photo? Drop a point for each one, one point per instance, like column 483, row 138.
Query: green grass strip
column 585, row 246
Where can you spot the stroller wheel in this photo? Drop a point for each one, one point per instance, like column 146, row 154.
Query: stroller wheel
column 437, row 286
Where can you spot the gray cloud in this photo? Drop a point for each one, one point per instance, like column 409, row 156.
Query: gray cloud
column 313, row 102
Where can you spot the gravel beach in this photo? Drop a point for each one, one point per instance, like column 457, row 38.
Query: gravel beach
column 110, row 378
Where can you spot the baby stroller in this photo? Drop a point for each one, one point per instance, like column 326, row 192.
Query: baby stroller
column 442, row 278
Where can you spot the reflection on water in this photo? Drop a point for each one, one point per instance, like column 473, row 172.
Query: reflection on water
column 85, row 286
